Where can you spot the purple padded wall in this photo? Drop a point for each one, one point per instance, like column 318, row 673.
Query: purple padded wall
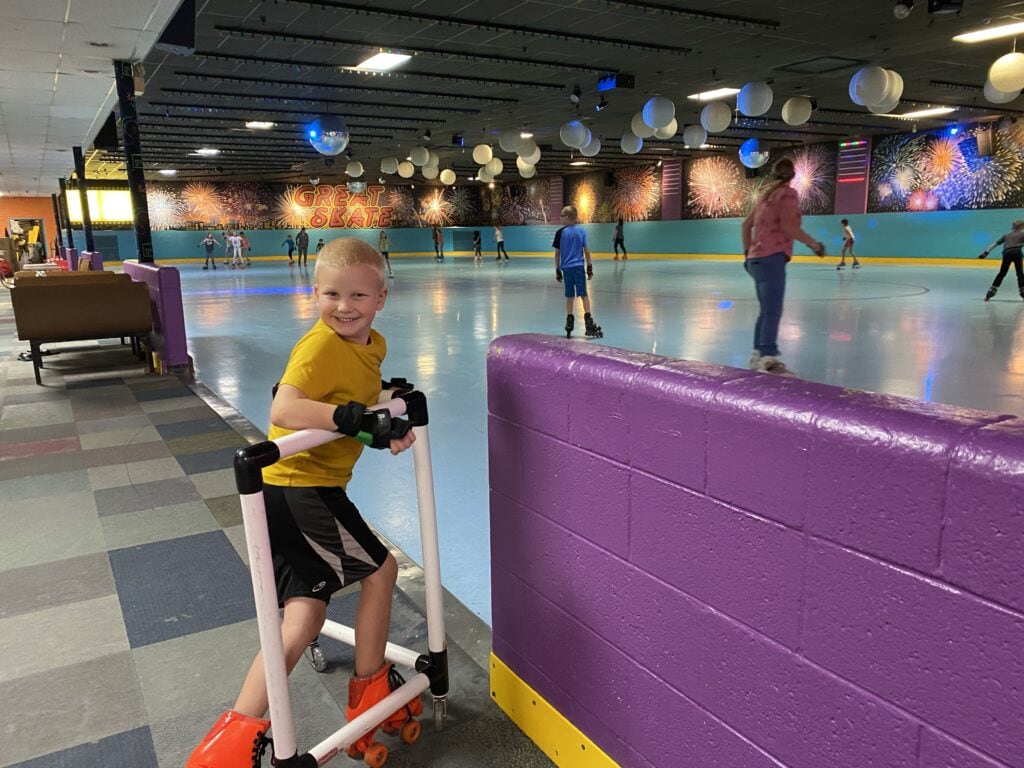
column 168, row 314
column 702, row 566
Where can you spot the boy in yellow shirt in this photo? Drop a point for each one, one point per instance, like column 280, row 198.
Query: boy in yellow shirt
column 320, row 542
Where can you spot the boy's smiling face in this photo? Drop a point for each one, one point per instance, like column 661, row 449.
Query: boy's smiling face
column 348, row 298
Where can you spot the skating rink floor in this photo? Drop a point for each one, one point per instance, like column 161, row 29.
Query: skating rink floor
column 916, row 331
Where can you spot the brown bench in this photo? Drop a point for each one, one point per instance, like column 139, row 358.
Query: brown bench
column 88, row 307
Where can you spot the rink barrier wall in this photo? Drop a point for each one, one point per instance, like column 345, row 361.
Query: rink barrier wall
column 168, row 333
column 700, row 565
column 934, row 234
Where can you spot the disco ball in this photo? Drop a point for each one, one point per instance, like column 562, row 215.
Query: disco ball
column 328, row 134
column 752, row 154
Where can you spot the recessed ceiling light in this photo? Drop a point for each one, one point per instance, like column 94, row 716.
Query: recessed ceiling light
column 990, row 33
column 167, row 172
column 206, row 152
column 718, row 93
column 260, row 125
column 383, row 62
column 932, row 112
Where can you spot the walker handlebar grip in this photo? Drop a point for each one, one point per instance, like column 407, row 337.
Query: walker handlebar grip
column 398, row 384
column 415, row 407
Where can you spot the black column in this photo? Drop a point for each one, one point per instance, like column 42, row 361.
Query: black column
column 83, row 196
column 123, row 75
column 59, row 220
column 64, row 208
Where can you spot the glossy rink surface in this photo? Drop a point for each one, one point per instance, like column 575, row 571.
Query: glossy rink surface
column 921, row 332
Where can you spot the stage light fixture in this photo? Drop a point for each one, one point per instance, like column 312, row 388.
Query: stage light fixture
column 576, row 94
column 601, row 104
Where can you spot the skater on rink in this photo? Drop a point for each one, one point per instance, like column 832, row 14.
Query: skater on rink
column 571, row 250
column 768, row 235
column 1011, row 243
column 848, row 241
column 320, row 541
column 208, row 243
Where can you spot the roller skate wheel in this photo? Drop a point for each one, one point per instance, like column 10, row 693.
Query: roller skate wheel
column 388, row 729
column 376, row 755
column 410, row 732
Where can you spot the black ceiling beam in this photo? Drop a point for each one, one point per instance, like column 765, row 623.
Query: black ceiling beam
column 431, row 18
column 447, row 95
column 300, row 123
column 439, row 53
column 723, row 18
column 248, row 110
column 267, row 61
column 308, row 100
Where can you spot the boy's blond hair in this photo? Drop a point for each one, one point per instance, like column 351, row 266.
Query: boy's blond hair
column 347, row 252
column 569, row 212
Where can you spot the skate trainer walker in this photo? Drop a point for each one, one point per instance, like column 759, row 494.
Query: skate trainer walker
column 431, row 668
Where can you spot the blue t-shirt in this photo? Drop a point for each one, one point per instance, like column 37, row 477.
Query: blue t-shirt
column 570, row 246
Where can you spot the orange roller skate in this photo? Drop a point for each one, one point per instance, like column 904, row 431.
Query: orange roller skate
column 363, row 693
column 233, row 742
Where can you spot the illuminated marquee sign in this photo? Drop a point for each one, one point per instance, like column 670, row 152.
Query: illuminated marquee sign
column 329, row 205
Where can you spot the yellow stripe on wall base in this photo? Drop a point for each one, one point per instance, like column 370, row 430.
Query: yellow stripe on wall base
column 559, row 739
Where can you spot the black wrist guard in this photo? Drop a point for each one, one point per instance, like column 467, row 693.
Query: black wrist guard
column 349, row 418
column 383, row 428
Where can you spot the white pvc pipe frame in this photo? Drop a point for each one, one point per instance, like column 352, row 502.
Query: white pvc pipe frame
column 257, row 537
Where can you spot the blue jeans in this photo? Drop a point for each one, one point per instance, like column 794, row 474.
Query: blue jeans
column 769, row 273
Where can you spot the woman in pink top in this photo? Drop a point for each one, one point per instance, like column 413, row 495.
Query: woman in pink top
column 768, row 235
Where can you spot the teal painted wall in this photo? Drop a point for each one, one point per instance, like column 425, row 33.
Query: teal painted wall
column 935, row 234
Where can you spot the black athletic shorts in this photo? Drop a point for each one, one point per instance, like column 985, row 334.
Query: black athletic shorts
column 319, row 542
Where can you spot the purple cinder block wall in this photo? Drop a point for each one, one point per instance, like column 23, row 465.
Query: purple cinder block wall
column 702, row 566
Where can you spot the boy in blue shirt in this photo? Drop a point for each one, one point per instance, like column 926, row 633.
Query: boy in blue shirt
column 571, row 250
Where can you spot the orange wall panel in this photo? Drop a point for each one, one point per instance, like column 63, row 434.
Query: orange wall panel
column 31, row 208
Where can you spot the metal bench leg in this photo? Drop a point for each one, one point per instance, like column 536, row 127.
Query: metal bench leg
column 37, row 360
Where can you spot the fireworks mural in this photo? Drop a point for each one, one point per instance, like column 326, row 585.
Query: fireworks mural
column 718, row 186
column 247, row 203
column 203, row 201
column 633, row 194
column 943, row 170
column 166, row 209
column 435, row 209
column 637, row 195
column 291, row 211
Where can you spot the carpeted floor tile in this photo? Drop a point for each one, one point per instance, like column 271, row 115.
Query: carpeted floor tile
column 34, row 486
column 131, row 749
column 35, row 414
column 181, row 586
column 80, row 703
column 148, row 525
column 213, row 484
column 163, row 405
column 197, row 411
column 150, row 495
column 120, row 437
column 227, row 510
column 116, row 475
column 162, row 393
column 57, row 636
column 49, row 528
column 50, row 584
column 212, row 423
column 41, row 432
column 208, row 461
column 132, row 421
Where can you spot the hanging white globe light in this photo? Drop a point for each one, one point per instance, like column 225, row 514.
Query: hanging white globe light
column 592, row 148
column 406, row 169
column 495, row 166
column 482, row 154
column 447, row 177
column 631, row 143
column 694, row 136
column 754, row 99
column 796, row 111
column 639, row 127
column 668, row 131
column 657, row 112
column 389, row 165
column 354, row 169
column 419, row 156
column 1007, row 73
column 715, row 117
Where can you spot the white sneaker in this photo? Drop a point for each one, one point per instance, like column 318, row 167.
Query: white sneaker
column 755, row 361
column 774, row 366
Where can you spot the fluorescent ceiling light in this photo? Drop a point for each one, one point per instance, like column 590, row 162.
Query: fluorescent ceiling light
column 525, row 135
column 206, row 152
column 932, row 112
column 167, row 172
column 260, row 125
column 579, row 162
column 990, row 33
column 383, row 62
column 718, row 93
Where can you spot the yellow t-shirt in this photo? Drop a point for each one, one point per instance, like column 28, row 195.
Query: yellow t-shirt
column 328, row 369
